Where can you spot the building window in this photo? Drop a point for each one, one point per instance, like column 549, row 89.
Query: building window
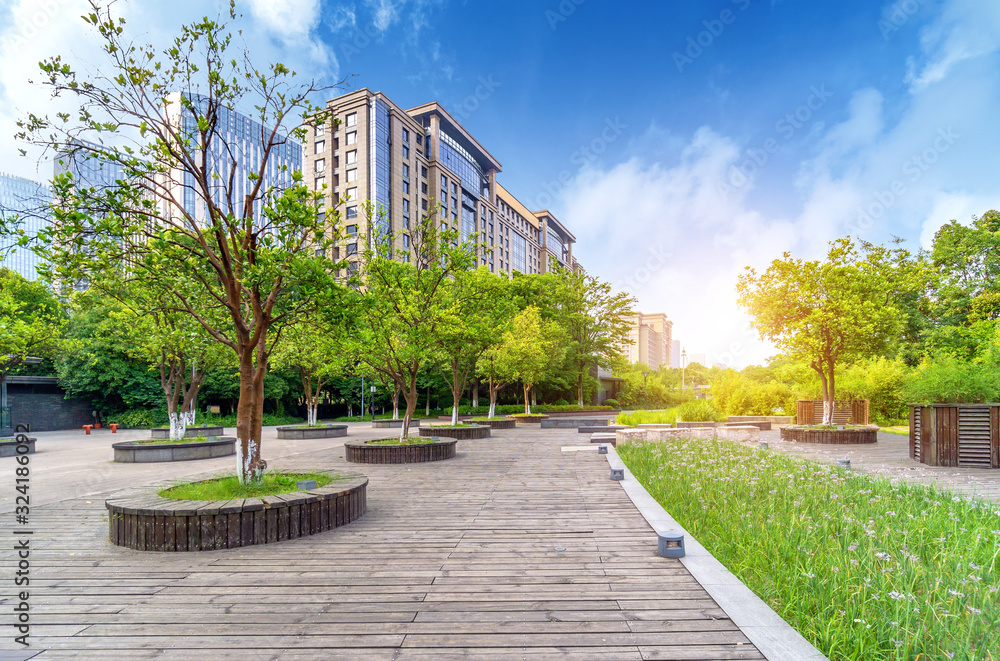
column 320, row 165
column 406, row 135
column 406, row 205
column 406, row 187
column 352, row 194
column 352, row 230
column 423, row 171
column 423, row 204
column 319, row 131
column 406, row 240
column 406, row 171
column 352, row 119
column 351, row 157
column 406, row 151
column 320, row 182
column 454, row 188
column 352, row 212
column 352, row 175
column 423, row 188
column 406, row 221
column 351, row 137
column 352, row 249
column 320, row 146
column 444, row 185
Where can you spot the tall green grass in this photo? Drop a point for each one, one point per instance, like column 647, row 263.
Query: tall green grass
column 865, row 568
column 633, row 418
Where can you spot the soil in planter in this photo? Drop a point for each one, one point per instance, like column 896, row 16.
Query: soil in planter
column 167, row 441
column 406, row 441
column 228, row 487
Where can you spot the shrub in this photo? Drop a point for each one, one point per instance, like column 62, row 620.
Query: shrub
column 948, row 380
column 880, row 381
column 613, row 403
column 699, row 410
column 140, row 418
column 634, row 418
column 561, row 402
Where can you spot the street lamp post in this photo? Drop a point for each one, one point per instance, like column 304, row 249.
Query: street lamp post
column 684, row 356
column 373, row 403
column 645, row 399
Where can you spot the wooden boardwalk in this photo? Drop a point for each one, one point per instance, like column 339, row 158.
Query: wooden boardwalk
column 513, row 550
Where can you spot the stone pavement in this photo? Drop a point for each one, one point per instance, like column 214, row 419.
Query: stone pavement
column 890, row 458
column 514, row 549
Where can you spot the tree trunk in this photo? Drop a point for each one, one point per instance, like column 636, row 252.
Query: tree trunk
column 428, row 402
column 579, row 391
column 830, row 402
column 250, row 415
column 178, row 424
column 475, row 394
column 395, row 402
column 410, row 395
column 527, row 401
column 827, row 409
column 493, row 398
column 534, row 396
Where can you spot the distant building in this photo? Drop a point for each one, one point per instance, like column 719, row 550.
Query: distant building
column 650, row 340
column 699, row 358
column 25, row 202
column 675, row 354
column 412, row 163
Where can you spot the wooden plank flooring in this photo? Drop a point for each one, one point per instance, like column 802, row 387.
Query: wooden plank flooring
column 454, row 560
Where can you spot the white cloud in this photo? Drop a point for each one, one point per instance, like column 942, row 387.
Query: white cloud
column 965, row 29
column 384, row 12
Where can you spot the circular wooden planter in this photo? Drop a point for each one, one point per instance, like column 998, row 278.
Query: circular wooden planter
column 497, row 423
column 856, row 435
column 393, row 424
column 461, row 433
column 163, row 433
column 528, row 420
column 322, row 431
column 363, row 452
column 8, row 447
column 163, row 524
column 145, row 453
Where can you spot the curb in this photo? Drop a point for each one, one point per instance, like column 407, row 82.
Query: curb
column 773, row 637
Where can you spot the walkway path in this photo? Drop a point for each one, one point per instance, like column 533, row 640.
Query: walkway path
column 890, row 458
column 512, row 550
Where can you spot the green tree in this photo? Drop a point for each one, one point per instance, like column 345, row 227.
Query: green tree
column 31, row 322
column 317, row 354
column 525, row 352
column 595, row 321
column 404, row 302
column 824, row 312
column 246, row 244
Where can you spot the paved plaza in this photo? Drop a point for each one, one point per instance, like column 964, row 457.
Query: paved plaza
column 514, row 549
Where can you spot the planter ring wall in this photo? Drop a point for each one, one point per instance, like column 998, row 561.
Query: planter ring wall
column 955, row 434
column 394, row 424
column 366, row 452
column 468, row 432
column 133, row 452
column 849, row 436
column 497, row 423
column 8, row 446
column 163, row 524
column 321, row 431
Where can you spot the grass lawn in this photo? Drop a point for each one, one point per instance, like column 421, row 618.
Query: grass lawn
column 406, row 441
column 167, row 441
column 903, row 430
column 228, row 486
column 866, row 569
column 633, row 418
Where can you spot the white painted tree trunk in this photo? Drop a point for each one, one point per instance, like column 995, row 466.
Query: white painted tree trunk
column 178, row 425
column 493, row 407
column 311, row 414
column 827, row 413
column 190, row 417
column 454, row 415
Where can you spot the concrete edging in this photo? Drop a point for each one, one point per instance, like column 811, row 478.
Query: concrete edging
column 773, row 637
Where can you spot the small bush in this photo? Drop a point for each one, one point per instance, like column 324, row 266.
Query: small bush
column 634, row 418
column 613, row 403
column 140, row 418
column 699, row 410
column 561, row 402
column 949, row 380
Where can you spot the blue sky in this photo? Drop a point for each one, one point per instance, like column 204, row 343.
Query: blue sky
column 680, row 141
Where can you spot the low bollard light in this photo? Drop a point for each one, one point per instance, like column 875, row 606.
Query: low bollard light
column 670, row 544
column 844, row 463
column 305, row 485
column 602, row 449
column 617, row 473
column 762, row 445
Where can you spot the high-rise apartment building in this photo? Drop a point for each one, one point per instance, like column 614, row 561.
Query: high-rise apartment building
column 27, row 203
column 675, row 354
column 417, row 162
column 650, row 340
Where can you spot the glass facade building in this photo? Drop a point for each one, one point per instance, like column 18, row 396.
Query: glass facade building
column 25, row 203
